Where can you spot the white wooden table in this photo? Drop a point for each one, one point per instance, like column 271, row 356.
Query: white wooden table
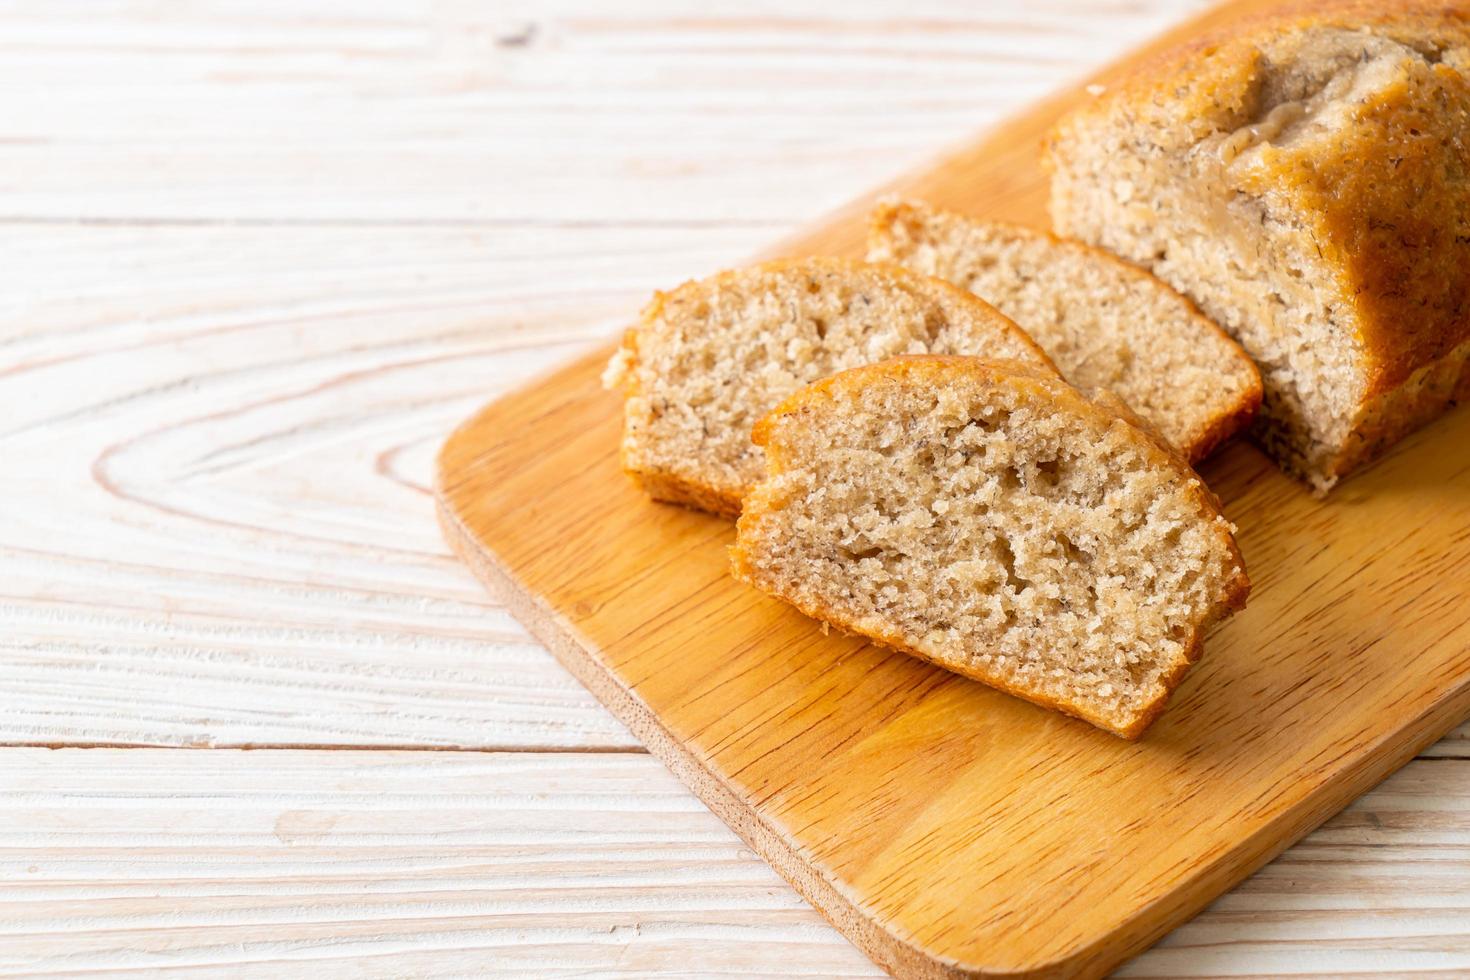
column 257, row 260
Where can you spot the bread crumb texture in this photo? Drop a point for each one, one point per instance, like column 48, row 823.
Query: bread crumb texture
column 710, row 358
column 1106, row 323
column 1304, row 180
column 988, row 517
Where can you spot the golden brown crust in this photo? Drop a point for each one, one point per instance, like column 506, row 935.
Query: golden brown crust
column 689, row 488
column 742, row 570
column 1224, row 425
column 1209, row 75
column 937, row 369
column 1390, row 415
column 1387, row 203
column 1392, row 211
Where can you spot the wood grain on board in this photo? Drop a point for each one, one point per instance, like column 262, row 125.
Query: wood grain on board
column 946, row 828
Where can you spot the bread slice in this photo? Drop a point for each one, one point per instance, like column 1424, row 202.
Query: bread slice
column 1106, row 323
column 1302, row 178
column 988, row 517
column 711, row 357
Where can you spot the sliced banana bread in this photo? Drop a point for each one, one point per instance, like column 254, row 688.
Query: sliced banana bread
column 711, row 357
column 1302, row 178
column 1106, row 323
column 988, row 517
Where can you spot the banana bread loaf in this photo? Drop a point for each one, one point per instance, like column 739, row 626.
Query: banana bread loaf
column 1304, row 180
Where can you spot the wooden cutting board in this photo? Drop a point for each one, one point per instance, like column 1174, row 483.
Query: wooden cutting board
column 947, row 829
